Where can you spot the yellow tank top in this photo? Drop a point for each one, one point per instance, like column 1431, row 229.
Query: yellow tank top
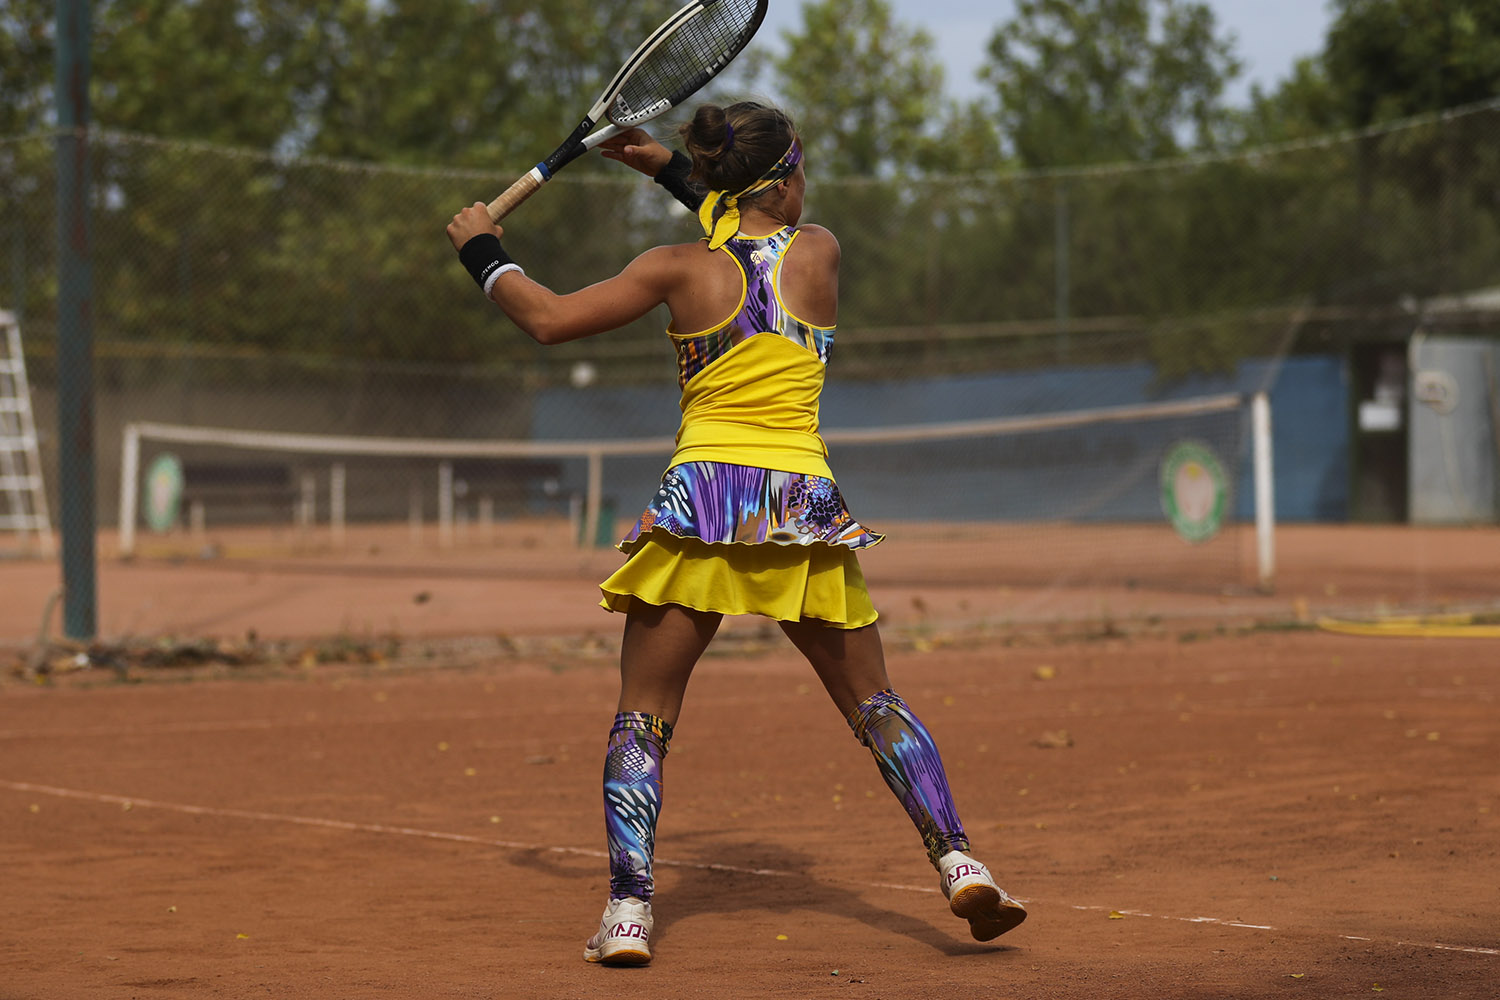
column 750, row 385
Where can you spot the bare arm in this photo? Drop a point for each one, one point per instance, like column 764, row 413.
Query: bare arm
column 550, row 318
column 671, row 170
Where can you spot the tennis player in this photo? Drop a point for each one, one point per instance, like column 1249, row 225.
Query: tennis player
column 748, row 519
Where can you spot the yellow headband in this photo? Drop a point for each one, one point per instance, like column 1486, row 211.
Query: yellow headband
column 720, row 212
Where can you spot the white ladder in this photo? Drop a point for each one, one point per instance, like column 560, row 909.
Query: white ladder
column 20, row 463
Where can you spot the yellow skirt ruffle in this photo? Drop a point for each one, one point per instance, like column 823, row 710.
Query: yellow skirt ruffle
column 785, row 582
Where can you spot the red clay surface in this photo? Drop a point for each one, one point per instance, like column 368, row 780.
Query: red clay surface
column 528, row 579
column 1259, row 814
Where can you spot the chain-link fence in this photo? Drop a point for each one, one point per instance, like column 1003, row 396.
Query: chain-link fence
column 242, row 290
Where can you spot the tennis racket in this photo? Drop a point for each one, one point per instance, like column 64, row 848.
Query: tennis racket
column 688, row 50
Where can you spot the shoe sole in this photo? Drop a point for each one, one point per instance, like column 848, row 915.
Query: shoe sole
column 988, row 914
column 620, row 955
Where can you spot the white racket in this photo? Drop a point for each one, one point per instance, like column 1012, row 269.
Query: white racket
column 688, row 50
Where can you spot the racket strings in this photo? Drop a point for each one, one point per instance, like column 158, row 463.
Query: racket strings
column 690, row 56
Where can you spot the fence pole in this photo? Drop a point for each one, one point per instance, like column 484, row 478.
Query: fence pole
column 75, row 348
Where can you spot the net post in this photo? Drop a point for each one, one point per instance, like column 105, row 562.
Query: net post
column 414, row 514
column 130, row 471
column 336, row 479
column 307, row 503
column 593, row 499
column 198, row 524
column 1265, row 493
column 486, row 520
column 445, row 505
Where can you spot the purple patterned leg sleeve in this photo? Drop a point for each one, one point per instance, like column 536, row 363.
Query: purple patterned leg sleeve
column 632, row 800
column 909, row 761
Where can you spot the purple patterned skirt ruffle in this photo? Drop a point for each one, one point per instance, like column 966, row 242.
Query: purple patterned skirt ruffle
column 719, row 502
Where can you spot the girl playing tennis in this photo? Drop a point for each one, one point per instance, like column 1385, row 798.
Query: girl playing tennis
column 748, row 519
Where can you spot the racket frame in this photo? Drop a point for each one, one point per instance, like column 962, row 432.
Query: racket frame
column 584, row 137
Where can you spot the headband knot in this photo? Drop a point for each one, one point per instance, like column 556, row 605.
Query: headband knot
column 720, row 212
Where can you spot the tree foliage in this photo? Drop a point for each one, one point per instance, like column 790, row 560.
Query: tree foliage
column 1093, row 81
column 234, row 241
column 1392, row 59
column 866, row 90
column 26, row 66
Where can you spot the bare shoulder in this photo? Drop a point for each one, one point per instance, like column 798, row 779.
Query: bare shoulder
column 675, row 254
column 817, row 239
column 669, row 262
column 815, row 250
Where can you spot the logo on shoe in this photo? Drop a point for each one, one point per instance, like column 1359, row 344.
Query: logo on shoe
column 963, row 871
column 630, row 929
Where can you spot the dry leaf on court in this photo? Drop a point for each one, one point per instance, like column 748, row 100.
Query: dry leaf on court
column 1116, row 915
column 1053, row 739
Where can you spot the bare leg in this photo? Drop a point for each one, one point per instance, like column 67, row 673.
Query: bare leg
column 851, row 665
column 662, row 644
column 657, row 655
column 849, row 662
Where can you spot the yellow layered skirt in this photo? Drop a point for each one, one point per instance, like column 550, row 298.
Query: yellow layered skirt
column 783, row 582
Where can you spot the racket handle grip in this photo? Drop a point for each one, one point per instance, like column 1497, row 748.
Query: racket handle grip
column 515, row 194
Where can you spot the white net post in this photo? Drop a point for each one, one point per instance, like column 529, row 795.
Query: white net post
column 130, row 468
column 336, row 490
column 445, row 505
column 594, row 499
column 486, row 520
column 414, row 514
column 307, row 503
column 1265, row 491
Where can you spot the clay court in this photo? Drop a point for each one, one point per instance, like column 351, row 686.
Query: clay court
column 1196, row 792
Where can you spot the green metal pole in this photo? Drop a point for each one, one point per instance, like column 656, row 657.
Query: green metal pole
column 75, row 348
column 1062, row 266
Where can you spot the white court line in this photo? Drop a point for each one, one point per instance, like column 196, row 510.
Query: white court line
column 1186, row 920
column 462, row 838
column 404, row 831
column 238, row 725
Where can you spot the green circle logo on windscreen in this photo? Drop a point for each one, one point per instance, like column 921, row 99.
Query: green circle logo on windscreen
column 163, row 492
column 1194, row 490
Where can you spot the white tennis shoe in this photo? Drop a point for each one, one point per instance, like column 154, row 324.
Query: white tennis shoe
column 973, row 895
column 624, row 936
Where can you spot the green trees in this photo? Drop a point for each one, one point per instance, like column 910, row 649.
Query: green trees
column 866, row 90
column 1098, row 81
column 1022, row 207
column 26, row 49
column 1390, row 59
column 1384, row 60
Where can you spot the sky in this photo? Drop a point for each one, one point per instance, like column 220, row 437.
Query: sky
column 1271, row 35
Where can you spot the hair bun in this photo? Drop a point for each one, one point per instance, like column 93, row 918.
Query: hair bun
column 733, row 146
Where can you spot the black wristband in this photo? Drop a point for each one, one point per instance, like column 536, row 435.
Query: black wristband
column 674, row 177
column 483, row 255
